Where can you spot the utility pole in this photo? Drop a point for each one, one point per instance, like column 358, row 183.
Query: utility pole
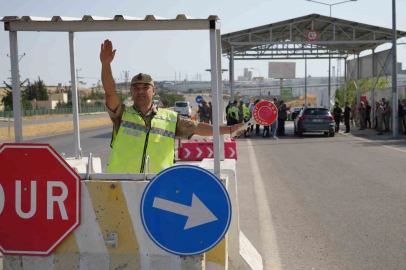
column 21, row 57
column 78, row 85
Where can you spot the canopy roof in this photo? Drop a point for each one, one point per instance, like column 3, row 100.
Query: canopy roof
column 288, row 39
column 117, row 23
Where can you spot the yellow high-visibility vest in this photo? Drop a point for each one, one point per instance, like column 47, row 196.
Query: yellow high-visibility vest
column 234, row 110
column 134, row 142
column 246, row 111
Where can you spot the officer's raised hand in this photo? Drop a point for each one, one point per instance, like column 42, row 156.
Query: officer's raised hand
column 107, row 54
column 106, row 57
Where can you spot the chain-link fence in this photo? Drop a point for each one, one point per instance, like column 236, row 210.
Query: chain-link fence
column 82, row 110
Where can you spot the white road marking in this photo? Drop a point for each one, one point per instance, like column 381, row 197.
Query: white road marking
column 266, row 228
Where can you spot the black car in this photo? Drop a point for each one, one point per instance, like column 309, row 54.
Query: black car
column 314, row 119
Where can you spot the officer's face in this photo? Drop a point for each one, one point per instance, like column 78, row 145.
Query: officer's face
column 142, row 93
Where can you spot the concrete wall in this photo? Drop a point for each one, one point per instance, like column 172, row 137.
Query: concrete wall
column 44, row 104
column 63, row 97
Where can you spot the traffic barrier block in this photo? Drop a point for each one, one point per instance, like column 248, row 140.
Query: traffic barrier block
column 195, row 151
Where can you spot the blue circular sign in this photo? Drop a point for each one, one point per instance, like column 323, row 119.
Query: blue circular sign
column 199, row 99
column 186, row 210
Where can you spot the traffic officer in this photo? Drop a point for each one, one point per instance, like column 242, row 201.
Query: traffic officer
column 247, row 116
column 143, row 130
column 233, row 113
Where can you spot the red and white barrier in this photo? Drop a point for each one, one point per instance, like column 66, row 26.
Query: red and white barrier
column 194, row 151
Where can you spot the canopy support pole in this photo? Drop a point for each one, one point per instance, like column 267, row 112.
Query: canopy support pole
column 15, row 75
column 215, row 102
column 329, row 81
column 305, row 81
column 373, row 88
column 395, row 116
column 358, row 90
column 220, row 92
column 232, row 74
column 345, row 80
column 76, row 131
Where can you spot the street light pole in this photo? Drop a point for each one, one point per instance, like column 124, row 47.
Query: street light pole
column 260, row 83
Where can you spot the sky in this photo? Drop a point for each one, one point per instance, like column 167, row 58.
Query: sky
column 163, row 53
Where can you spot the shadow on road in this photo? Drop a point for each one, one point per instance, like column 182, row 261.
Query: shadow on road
column 102, row 136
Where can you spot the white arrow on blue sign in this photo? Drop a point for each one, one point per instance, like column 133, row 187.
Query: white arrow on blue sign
column 186, row 210
column 199, row 99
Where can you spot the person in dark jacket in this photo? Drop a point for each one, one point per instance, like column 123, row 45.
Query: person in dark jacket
column 337, row 116
column 401, row 115
column 368, row 109
column 282, row 115
column 347, row 115
column 227, row 116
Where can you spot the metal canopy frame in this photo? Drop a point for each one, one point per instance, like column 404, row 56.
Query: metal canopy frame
column 337, row 39
column 89, row 23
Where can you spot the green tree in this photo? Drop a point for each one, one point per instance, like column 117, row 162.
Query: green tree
column 96, row 95
column 37, row 91
column 7, row 100
column 41, row 89
column 365, row 85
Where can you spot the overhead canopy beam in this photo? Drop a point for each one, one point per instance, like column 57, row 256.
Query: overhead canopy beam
column 95, row 26
column 336, row 42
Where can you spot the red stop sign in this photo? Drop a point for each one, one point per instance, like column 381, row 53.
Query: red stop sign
column 265, row 113
column 39, row 199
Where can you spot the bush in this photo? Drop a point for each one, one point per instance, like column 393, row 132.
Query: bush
column 169, row 99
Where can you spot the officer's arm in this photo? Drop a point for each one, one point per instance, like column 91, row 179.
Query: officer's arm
column 106, row 57
column 204, row 129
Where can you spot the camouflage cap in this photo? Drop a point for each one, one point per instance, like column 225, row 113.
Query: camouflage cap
column 142, row 78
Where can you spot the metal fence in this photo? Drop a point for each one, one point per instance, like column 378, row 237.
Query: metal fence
column 82, row 110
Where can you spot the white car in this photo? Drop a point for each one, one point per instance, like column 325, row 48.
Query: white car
column 183, row 108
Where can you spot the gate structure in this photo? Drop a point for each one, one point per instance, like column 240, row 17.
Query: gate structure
column 309, row 37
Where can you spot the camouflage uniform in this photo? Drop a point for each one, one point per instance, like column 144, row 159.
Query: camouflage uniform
column 184, row 129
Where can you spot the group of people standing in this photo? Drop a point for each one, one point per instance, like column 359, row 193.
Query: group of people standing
column 205, row 112
column 240, row 112
column 361, row 116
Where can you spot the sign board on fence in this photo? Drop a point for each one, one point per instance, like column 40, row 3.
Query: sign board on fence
column 282, row 70
column 286, row 94
column 186, row 210
column 39, row 199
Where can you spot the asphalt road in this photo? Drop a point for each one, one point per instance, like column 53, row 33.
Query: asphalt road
column 313, row 202
column 324, row 203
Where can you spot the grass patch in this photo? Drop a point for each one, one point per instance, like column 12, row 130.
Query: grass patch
column 44, row 129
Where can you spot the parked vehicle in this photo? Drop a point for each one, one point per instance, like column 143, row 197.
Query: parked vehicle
column 314, row 119
column 183, row 108
column 293, row 113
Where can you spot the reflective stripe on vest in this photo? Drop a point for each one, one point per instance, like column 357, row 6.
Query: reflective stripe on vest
column 134, row 142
